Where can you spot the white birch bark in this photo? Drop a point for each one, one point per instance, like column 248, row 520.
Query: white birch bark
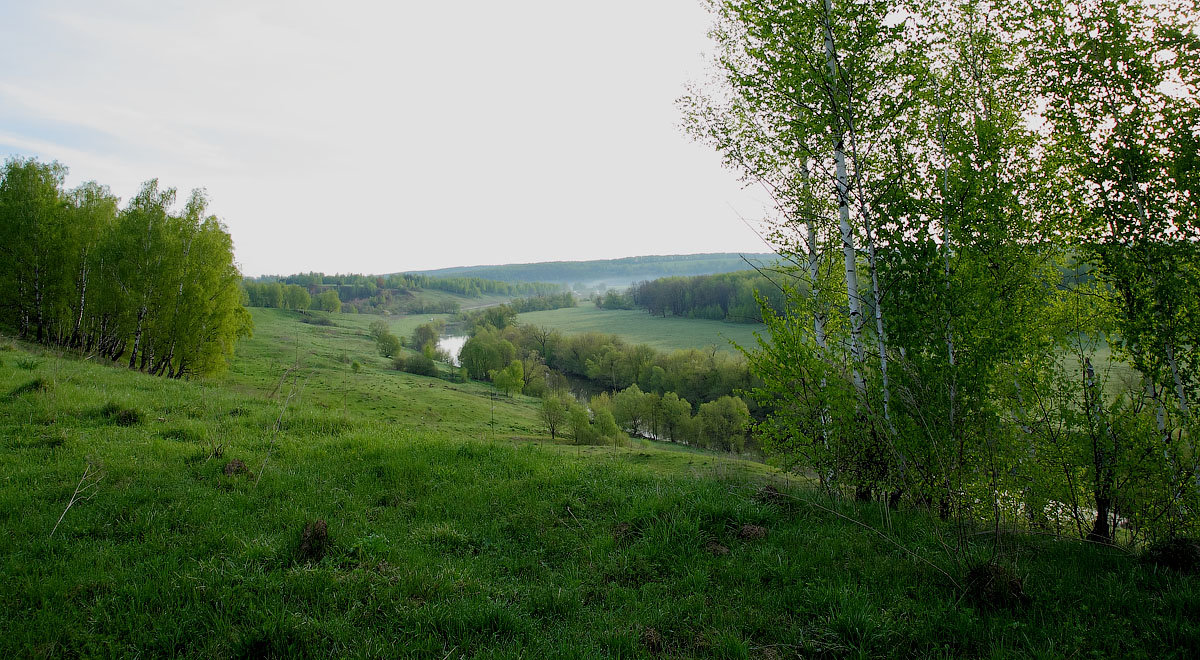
column 849, row 251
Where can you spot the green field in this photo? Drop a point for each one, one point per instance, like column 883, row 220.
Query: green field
column 450, row 536
column 638, row 327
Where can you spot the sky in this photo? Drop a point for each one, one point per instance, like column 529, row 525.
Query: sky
column 379, row 137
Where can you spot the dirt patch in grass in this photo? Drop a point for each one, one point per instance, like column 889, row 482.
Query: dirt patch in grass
column 716, row 549
column 750, row 532
column 235, row 467
column 314, row 541
column 652, row 640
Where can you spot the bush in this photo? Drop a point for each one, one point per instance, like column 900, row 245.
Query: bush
column 389, row 344
column 1180, row 554
column 418, row 364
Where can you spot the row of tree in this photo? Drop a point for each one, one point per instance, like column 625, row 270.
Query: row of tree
column 722, row 297
column 938, row 166
column 550, row 358
column 289, row 296
column 718, row 425
column 147, row 283
column 356, row 287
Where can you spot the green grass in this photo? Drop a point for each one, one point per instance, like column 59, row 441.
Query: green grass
column 449, row 537
column 638, row 327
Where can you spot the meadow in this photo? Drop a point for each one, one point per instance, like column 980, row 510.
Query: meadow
column 153, row 517
column 636, row 326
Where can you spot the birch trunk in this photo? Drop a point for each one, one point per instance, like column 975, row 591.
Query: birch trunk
column 849, row 251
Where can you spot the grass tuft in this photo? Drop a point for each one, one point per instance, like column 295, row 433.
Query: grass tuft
column 120, row 415
column 34, row 386
column 996, row 586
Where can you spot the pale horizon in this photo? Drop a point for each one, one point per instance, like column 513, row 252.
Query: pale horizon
column 379, row 139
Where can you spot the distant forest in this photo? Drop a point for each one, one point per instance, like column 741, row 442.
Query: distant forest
column 614, row 272
column 722, row 297
column 398, row 293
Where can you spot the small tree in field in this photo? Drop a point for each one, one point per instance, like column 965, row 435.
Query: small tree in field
column 555, row 411
column 388, row 344
column 328, row 301
column 510, row 379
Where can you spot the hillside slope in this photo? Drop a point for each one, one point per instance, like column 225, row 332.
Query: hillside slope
column 448, row 535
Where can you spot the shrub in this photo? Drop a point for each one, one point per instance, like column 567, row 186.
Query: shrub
column 388, row 344
column 1180, row 554
column 418, row 364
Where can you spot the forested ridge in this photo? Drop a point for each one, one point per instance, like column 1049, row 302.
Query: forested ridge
column 938, row 167
column 616, row 272
column 397, row 293
column 154, row 286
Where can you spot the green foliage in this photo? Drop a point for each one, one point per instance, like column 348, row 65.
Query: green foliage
column 723, row 423
column 723, row 297
column 296, row 297
column 416, row 363
column 428, row 333
column 143, row 282
column 486, row 351
column 614, row 299
column 511, row 379
column 555, row 412
column 328, row 301
column 388, row 344
column 377, row 329
column 958, row 265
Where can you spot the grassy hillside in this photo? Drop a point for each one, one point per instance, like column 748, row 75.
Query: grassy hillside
column 614, row 272
column 446, row 538
column 635, row 325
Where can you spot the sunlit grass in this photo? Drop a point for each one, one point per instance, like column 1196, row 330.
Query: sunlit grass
column 453, row 536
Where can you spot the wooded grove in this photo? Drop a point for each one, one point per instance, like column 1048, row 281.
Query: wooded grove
column 937, row 168
column 154, row 286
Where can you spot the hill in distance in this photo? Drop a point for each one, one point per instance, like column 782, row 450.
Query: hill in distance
column 610, row 272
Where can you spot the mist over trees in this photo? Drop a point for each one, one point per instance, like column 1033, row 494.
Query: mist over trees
column 937, row 168
column 149, row 284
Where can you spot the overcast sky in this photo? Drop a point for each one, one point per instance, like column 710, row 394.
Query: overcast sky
column 385, row 136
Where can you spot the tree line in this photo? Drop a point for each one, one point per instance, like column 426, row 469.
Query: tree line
column 937, row 170
column 723, row 297
column 612, row 271
column 719, row 425
column 149, row 284
column 290, row 296
column 397, row 294
column 687, row 396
